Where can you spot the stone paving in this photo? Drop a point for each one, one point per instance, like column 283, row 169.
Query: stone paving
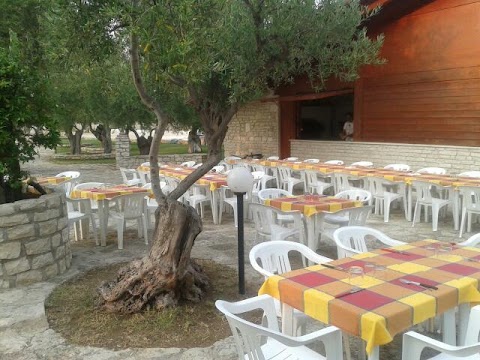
column 24, row 330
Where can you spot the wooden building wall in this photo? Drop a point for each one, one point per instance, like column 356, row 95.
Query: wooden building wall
column 429, row 90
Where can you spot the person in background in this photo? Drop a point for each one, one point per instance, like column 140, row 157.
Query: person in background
column 347, row 133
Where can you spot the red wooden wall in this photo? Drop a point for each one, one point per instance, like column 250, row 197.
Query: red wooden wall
column 429, row 91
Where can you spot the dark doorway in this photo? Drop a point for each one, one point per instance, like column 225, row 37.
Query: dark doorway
column 323, row 119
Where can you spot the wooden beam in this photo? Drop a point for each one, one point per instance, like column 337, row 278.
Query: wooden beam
column 312, row 96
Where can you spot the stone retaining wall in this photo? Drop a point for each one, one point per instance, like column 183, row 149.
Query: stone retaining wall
column 97, row 156
column 34, row 244
column 455, row 159
column 123, row 158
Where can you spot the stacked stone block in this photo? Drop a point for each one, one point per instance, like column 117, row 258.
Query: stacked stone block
column 455, row 159
column 34, row 243
column 254, row 129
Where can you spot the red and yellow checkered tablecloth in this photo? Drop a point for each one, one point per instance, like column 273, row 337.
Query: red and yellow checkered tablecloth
column 212, row 180
column 386, row 306
column 52, row 180
column 107, row 193
column 312, row 204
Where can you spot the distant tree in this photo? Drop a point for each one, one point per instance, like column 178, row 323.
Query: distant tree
column 25, row 123
column 215, row 56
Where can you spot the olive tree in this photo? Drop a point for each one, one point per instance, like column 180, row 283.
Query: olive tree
column 216, row 56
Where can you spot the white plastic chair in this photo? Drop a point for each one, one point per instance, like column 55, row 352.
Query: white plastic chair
column 426, row 197
column 383, row 198
column 343, row 218
column 472, row 174
column 470, row 206
column 196, row 166
column 151, row 204
column 473, row 240
column 351, row 240
column 130, row 177
column 264, row 342
column 362, row 164
column 197, row 196
column 90, row 185
column 414, row 343
column 188, row 164
column 144, row 176
column 69, row 185
column 311, row 161
column 287, row 180
column 273, row 158
column 397, row 167
column 78, row 210
column 272, row 193
column 347, row 217
column 219, row 169
column 313, row 184
column 341, row 182
column 432, row 171
column 334, row 162
column 272, row 257
column 129, row 207
column 270, row 223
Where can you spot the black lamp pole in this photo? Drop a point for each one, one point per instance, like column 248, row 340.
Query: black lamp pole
column 241, row 256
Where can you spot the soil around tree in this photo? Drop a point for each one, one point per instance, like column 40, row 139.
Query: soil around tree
column 70, row 311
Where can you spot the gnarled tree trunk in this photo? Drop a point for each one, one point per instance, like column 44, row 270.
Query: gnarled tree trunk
column 102, row 133
column 167, row 275
column 75, row 140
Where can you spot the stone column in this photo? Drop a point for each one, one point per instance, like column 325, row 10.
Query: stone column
column 122, row 150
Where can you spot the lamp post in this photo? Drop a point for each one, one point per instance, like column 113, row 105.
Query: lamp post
column 240, row 181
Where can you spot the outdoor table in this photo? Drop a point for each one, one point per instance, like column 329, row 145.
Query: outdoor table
column 310, row 205
column 52, row 180
column 103, row 196
column 386, row 306
column 214, row 181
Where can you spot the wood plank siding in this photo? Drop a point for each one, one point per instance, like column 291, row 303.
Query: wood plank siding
column 429, row 90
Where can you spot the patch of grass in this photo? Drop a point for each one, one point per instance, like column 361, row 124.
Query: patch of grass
column 70, row 311
column 166, row 148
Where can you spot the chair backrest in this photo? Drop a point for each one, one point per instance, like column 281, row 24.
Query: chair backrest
column 257, row 167
column 273, row 158
column 292, row 158
column 70, row 174
column 132, row 205
column 129, row 175
column 398, row 167
column 334, row 162
column 311, row 178
column 272, row 193
column 262, row 217
column 471, row 197
column 424, row 191
column 272, row 257
column 188, row 164
column 362, row 164
column 355, row 194
column 246, row 334
column 432, row 170
column 353, row 240
column 473, row 327
column 340, row 182
column 219, row 169
column 69, row 185
column 196, row 166
column 284, row 173
column 311, row 161
column 230, row 158
column 89, row 185
column 473, row 174
column 473, row 240
column 250, row 337
column 375, row 185
column 144, row 176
